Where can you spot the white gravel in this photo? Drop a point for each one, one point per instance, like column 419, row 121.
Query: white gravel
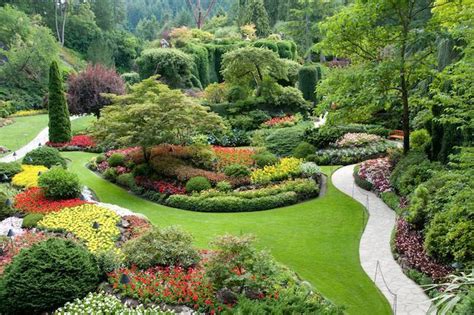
column 12, row 223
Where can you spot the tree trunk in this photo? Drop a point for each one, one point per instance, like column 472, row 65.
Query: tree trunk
column 146, row 155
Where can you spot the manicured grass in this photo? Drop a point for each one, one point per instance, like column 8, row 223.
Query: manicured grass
column 318, row 238
column 22, row 131
column 82, row 123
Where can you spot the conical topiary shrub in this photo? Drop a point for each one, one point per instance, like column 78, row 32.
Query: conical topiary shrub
column 59, row 123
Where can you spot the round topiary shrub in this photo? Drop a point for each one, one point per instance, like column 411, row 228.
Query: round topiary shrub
column 170, row 246
column 47, row 275
column 237, row 170
column 58, row 183
column 116, row 159
column 224, row 186
column 197, row 184
column 31, row 220
column 265, row 158
column 303, row 150
column 44, row 156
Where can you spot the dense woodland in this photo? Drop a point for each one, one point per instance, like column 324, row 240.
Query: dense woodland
column 233, row 106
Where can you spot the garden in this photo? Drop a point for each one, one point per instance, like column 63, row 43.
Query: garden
column 191, row 147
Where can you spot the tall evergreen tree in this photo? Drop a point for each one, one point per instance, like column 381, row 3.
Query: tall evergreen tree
column 59, row 123
column 255, row 13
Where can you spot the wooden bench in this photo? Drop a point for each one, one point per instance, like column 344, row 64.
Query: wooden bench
column 396, row 135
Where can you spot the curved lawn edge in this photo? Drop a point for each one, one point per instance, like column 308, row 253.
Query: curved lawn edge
column 319, row 238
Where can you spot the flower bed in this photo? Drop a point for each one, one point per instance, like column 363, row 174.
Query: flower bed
column 228, row 156
column 278, row 122
column 160, row 186
column 29, row 175
column 170, row 285
column 79, row 142
column 347, row 156
column 286, row 168
column 11, row 248
column 377, row 173
column 95, row 225
column 409, row 244
column 356, row 140
column 33, row 200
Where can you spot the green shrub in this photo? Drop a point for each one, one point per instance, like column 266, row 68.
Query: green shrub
column 323, row 136
column 310, row 169
column 420, row 139
column 100, row 158
column 308, row 77
column 303, row 150
column 126, row 180
column 6, row 209
column 173, row 65
column 362, row 183
column 44, row 156
column 8, row 170
column 237, row 93
column 142, row 170
column 116, row 159
column 290, row 100
column 449, row 235
column 237, row 170
column 282, row 141
column 412, row 158
column 108, row 261
column 416, row 174
column 224, row 186
column 197, row 184
column 49, row 274
column 110, row 174
column 391, row 199
column 170, row 246
column 265, row 158
column 31, row 219
column 59, row 122
column 131, row 77
column 58, row 183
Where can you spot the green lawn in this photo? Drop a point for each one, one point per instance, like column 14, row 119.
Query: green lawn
column 22, row 131
column 319, row 238
column 26, row 128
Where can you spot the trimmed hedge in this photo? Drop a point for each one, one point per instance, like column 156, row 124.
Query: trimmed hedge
column 46, row 156
column 362, row 183
column 308, row 77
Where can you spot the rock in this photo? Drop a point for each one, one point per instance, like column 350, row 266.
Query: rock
column 124, row 223
column 226, row 296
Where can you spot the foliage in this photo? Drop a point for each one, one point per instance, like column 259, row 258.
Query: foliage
column 391, row 199
column 420, row 139
column 409, row 243
column 362, row 183
column 237, row 170
column 160, row 186
column 59, row 184
column 197, row 184
column 59, row 123
column 377, row 173
column 50, row 273
column 239, row 265
column 229, row 156
column 255, row 13
column 356, row 140
column 12, row 247
column 46, row 156
column 216, row 93
column 224, row 186
column 285, row 121
column 323, row 137
column 303, row 150
column 85, row 89
column 287, row 167
column 132, row 118
column 291, row 100
column 101, row 303
column 81, row 221
column 173, row 66
column 282, row 141
column 31, row 220
column 171, row 285
column 308, row 77
column 310, row 169
column 347, row 156
column 265, row 158
column 116, row 159
column 29, row 175
column 170, row 246
column 8, row 170
column 33, row 200
column 251, row 65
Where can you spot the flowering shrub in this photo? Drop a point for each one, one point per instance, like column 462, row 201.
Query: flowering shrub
column 310, row 169
column 184, row 172
column 356, row 140
column 103, row 303
column 103, row 166
column 286, row 168
column 137, row 226
column 79, row 141
column 278, row 122
column 81, row 220
column 33, row 200
column 377, row 172
column 409, row 243
column 170, row 285
column 29, row 175
column 12, row 248
column 228, row 156
column 160, row 186
column 126, row 151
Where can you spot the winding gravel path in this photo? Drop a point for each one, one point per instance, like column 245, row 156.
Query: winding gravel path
column 405, row 296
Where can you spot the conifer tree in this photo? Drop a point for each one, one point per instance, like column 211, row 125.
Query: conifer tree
column 59, row 123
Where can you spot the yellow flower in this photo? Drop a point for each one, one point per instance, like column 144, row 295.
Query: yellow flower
column 95, row 225
column 286, row 168
column 29, row 175
column 30, row 112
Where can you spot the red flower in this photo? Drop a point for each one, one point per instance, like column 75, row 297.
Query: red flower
column 33, row 201
column 81, row 141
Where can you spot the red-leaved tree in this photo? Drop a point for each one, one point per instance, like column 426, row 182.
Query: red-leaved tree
column 85, row 88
